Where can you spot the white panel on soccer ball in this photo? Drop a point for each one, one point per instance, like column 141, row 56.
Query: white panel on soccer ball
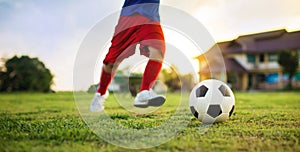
column 202, row 105
column 200, row 116
column 208, row 119
column 227, row 104
column 222, row 117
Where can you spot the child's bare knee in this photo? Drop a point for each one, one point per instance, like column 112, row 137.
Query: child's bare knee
column 155, row 54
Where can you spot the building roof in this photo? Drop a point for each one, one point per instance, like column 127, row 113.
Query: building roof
column 231, row 65
column 262, row 42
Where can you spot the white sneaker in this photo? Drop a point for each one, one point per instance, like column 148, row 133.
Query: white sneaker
column 97, row 104
column 148, row 98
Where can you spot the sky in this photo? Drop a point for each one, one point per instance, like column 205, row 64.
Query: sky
column 53, row 30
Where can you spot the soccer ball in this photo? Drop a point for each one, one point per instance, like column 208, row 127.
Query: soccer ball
column 212, row 101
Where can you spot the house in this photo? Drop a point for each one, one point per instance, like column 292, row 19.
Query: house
column 251, row 61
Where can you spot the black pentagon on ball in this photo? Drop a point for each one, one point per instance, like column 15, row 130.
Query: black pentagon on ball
column 194, row 112
column 225, row 92
column 214, row 110
column 231, row 111
column 201, row 91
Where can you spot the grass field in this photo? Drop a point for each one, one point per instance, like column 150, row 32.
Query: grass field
column 51, row 122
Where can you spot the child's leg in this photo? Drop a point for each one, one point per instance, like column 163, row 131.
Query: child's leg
column 107, row 74
column 152, row 69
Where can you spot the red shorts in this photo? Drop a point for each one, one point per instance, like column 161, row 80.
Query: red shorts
column 133, row 30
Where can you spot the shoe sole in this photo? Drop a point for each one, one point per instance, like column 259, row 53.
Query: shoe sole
column 154, row 102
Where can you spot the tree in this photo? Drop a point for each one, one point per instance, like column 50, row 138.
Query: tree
column 171, row 78
column 289, row 63
column 25, row 74
column 187, row 81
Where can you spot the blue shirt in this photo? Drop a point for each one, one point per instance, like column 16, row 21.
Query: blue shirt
column 147, row 8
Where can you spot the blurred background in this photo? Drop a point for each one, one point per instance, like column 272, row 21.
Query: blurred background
column 52, row 31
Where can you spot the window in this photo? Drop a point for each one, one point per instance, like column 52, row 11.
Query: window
column 251, row 58
column 273, row 57
column 261, row 58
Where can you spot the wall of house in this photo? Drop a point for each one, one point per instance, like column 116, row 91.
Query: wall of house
column 241, row 59
column 266, row 65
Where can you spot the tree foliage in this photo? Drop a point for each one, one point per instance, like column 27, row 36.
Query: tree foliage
column 176, row 81
column 25, row 74
column 171, row 78
column 289, row 62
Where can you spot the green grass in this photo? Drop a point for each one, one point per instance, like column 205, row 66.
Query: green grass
column 52, row 122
